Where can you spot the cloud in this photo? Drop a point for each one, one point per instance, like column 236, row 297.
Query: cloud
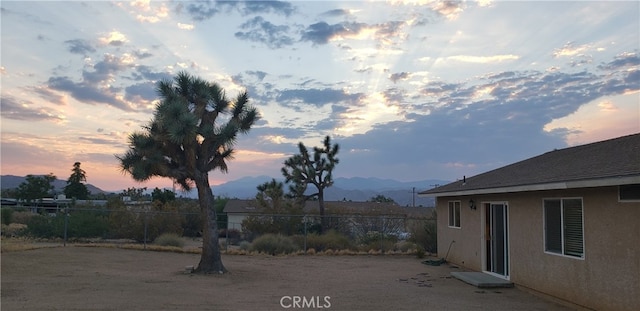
column 24, row 110
column 322, row 33
column 186, row 26
column 87, row 93
column 316, row 97
column 199, row 11
column 203, row 10
column 148, row 11
column 337, row 13
column 106, row 69
column 262, row 31
column 483, row 59
column 384, row 34
column 48, row 95
column 399, row 76
column 79, row 46
column 141, row 92
column 114, row 38
column 145, row 72
column 624, row 60
column 571, row 49
column 278, row 7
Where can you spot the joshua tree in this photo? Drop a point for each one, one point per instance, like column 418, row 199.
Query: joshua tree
column 193, row 131
column 303, row 170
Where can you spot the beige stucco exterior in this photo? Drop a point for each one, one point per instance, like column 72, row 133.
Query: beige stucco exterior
column 607, row 278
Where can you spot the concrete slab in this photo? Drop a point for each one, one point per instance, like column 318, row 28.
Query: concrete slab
column 481, row 280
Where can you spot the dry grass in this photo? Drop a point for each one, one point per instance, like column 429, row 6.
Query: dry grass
column 18, row 245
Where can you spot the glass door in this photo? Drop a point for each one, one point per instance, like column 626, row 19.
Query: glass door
column 497, row 238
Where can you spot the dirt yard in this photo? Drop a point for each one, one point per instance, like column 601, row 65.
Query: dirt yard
column 93, row 278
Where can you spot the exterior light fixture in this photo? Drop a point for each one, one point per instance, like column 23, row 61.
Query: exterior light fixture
column 472, row 205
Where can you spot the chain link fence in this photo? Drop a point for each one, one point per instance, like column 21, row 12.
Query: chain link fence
column 143, row 224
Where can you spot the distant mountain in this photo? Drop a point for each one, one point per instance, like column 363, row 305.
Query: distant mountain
column 350, row 189
column 12, row 181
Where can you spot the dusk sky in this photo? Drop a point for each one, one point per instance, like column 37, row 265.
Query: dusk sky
column 411, row 90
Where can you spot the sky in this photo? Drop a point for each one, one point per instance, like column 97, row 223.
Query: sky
column 410, row 90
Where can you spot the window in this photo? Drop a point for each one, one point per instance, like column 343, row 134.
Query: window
column 563, row 227
column 629, row 192
column 454, row 214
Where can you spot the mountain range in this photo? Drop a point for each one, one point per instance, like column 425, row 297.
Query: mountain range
column 350, row 189
column 12, row 181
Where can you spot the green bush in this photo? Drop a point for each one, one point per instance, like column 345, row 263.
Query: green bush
column 245, row 245
column 169, row 239
column 425, row 234
column 7, row 215
column 420, row 252
column 330, row 240
column 405, row 246
column 80, row 224
column 274, row 244
column 130, row 224
column 21, row 217
column 41, row 226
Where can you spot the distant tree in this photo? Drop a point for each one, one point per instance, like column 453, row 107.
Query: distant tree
column 163, row 196
column 381, row 199
column 75, row 187
column 135, row 194
column 270, row 194
column 34, row 188
column 301, row 170
column 193, row 131
column 276, row 212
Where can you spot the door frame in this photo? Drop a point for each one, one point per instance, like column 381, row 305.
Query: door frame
column 484, row 239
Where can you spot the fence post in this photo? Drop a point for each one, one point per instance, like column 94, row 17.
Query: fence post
column 382, row 234
column 145, row 229
column 66, row 226
column 304, row 218
column 226, row 240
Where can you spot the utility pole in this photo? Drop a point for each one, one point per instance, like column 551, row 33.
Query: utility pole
column 413, row 192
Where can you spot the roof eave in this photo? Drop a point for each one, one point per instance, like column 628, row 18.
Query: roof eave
column 587, row 183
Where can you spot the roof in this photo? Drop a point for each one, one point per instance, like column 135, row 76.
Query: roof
column 251, row 206
column 605, row 163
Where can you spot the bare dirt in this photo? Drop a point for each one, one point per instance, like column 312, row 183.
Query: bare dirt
column 95, row 278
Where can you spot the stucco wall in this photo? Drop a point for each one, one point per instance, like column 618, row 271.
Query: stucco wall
column 608, row 278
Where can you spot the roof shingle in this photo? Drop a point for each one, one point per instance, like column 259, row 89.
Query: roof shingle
column 614, row 158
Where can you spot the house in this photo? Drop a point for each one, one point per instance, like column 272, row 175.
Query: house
column 565, row 223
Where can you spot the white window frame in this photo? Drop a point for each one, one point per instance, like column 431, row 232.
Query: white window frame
column 451, row 208
column 562, row 226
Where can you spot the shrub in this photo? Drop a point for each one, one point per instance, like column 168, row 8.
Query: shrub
column 43, row 227
column 245, row 245
column 22, row 217
column 424, row 234
column 7, row 215
column 274, row 244
column 420, row 252
column 330, row 240
column 84, row 223
column 379, row 245
column 232, row 236
column 405, row 246
column 169, row 239
column 80, row 224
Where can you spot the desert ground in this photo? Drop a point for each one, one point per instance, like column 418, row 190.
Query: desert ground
column 99, row 278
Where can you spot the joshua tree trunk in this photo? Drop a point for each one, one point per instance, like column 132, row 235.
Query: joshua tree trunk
column 323, row 218
column 210, row 260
